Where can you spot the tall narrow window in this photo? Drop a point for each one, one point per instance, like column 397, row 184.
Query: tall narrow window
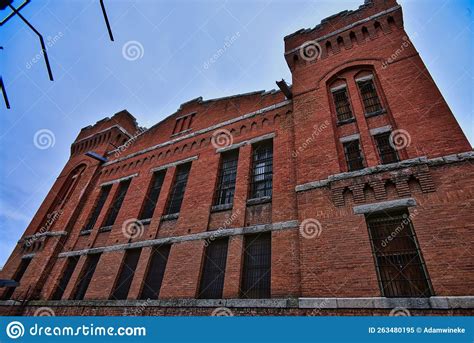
column 400, row 266
column 256, row 274
column 386, row 152
column 177, row 192
column 117, row 203
column 86, row 276
column 63, row 282
column 262, row 170
column 152, row 195
column 342, row 104
column 213, row 271
column 104, row 193
column 25, row 262
column 127, row 272
column 156, row 271
column 226, row 178
column 353, row 154
column 369, row 96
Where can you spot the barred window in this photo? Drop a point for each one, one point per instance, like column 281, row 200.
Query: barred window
column 353, row 154
column 256, row 274
column 25, row 262
column 86, row 276
column 152, row 195
column 156, row 271
column 262, row 170
column 400, row 267
column 369, row 96
column 63, row 282
column 342, row 104
column 127, row 272
column 213, row 271
column 226, row 178
column 177, row 191
column 99, row 204
column 386, row 151
column 117, row 203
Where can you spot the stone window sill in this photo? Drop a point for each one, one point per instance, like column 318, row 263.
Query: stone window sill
column 347, row 121
column 376, row 113
column 223, row 207
column 258, row 201
column 171, row 216
column 105, row 229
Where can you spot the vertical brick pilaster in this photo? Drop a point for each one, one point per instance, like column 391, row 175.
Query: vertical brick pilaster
column 241, row 186
column 233, row 267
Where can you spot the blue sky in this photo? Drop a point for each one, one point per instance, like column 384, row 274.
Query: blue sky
column 94, row 80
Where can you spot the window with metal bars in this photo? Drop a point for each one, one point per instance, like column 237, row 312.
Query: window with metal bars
column 86, row 276
column 353, row 154
column 262, row 170
column 386, row 152
column 342, row 105
column 400, row 267
column 156, row 271
column 127, row 272
column 213, row 271
column 226, row 177
column 152, row 195
column 116, row 203
column 177, row 191
column 63, row 282
column 370, row 97
column 25, row 262
column 256, row 274
column 99, row 204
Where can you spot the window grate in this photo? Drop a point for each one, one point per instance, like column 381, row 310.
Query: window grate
column 262, row 170
column 152, row 195
column 177, row 192
column 400, row 266
column 227, row 174
column 213, row 272
column 63, row 282
column 125, row 278
column 386, row 152
column 104, row 193
column 369, row 96
column 353, row 154
column 156, row 271
column 117, row 203
column 86, row 276
column 257, row 266
column 342, row 104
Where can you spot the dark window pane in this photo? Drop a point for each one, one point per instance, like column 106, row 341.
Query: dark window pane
column 25, row 262
column 104, row 193
column 125, row 278
column 400, row 267
column 152, row 195
column 386, row 152
column 257, row 266
column 177, row 191
column 226, row 178
column 63, row 282
column 156, row 271
column 342, row 104
column 213, row 272
column 353, row 155
column 369, row 96
column 262, row 170
column 86, row 276
column 117, row 203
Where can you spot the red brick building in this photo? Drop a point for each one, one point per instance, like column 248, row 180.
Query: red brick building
column 349, row 192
